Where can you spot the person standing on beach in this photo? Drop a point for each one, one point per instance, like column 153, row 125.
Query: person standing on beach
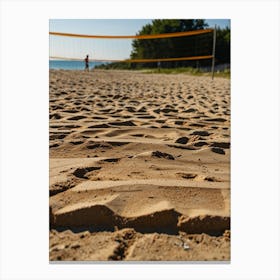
column 86, row 63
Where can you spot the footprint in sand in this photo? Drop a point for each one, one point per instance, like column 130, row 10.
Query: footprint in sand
column 218, row 151
column 225, row 145
column 200, row 144
column 81, row 172
column 126, row 123
column 201, row 133
column 103, row 125
column 212, row 179
column 57, row 136
column 182, row 140
column 191, row 110
column 146, row 117
column 55, row 116
column 54, row 146
column 76, row 142
column 188, row 176
column 159, row 154
column 111, row 160
column 98, row 145
column 76, row 118
column 179, row 122
column 216, row 120
column 70, row 111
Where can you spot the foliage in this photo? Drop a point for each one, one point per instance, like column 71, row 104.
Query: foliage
column 197, row 45
column 169, row 47
column 222, row 53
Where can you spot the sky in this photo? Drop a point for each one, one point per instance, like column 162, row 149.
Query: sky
column 100, row 48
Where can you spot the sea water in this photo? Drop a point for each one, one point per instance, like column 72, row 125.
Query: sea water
column 71, row 64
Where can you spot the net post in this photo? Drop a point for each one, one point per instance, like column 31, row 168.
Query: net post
column 213, row 52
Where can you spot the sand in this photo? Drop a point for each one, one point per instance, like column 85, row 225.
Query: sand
column 139, row 166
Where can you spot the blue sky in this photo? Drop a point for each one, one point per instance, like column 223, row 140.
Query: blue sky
column 100, row 48
column 222, row 23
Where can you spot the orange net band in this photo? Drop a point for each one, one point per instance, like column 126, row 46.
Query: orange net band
column 152, row 36
column 138, row 60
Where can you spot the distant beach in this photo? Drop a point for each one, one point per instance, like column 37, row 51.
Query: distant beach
column 71, row 64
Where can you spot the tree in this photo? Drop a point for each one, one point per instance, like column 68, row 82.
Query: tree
column 223, row 45
column 176, row 47
column 197, row 45
column 167, row 47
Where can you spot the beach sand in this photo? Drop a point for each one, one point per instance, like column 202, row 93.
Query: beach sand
column 139, row 166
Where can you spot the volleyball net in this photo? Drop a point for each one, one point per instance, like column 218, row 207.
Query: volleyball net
column 179, row 47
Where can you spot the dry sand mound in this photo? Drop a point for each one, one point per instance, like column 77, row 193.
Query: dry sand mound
column 160, row 218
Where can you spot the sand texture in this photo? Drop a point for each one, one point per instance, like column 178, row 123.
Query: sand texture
column 139, row 166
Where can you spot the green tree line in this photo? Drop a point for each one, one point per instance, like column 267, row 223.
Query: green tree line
column 187, row 46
